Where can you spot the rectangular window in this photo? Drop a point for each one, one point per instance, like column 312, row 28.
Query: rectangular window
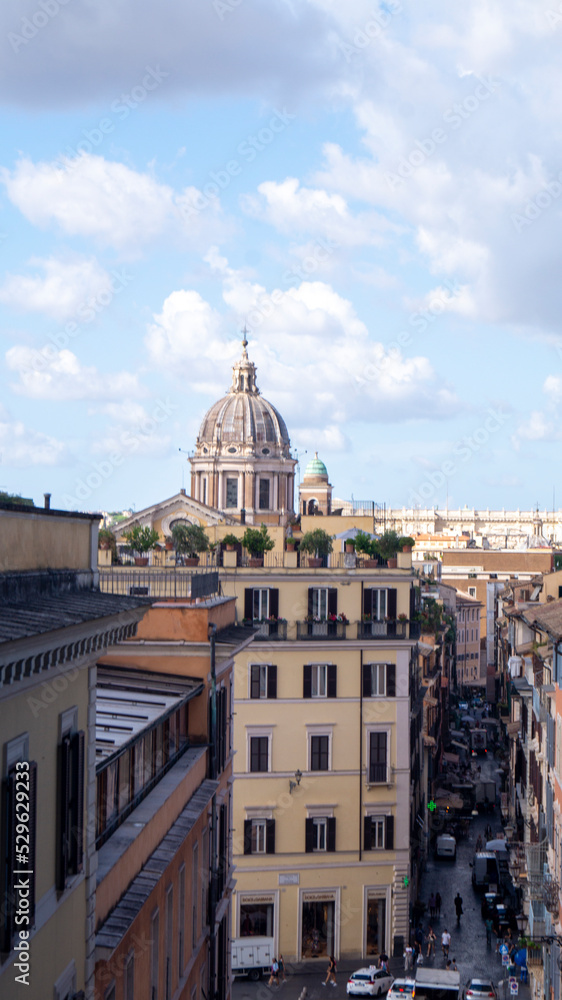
column 378, row 758
column 378, row 679
column 204, row 496
column 378, row 603
column 169, row 939
column 231, row 493
column 319, row 834
column 195, row 896
column 259, row 753
column 181, row 922
column 320, row 602
column 318, row 680
column 263, row 680
column 129, row 984
column 264, row 494
column 260, row 603
column 377, row 832
column 258, row 836
column 319, row 753
column 472, row 591
column 70, row 807
column 154, row 955
column 204, row 877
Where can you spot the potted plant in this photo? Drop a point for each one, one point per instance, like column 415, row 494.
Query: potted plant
column 190, row 540
column 142, row 541
column 106, row 539
column 406, row 543
column 290, row 543
column 230, row 542
column 257, row 541
column 368, row 547
column 389, row 543
column 169, row 544
column 350, row 546
column 317, row 543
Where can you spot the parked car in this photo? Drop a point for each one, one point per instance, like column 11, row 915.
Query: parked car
column 369, row 982
column 479, row 989
column 446, row 847
column 401, row 989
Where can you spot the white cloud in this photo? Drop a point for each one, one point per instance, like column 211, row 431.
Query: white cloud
column 60, row 290
column 108, row 201
column 135, row 430
column 22, row 446
column 59, row 375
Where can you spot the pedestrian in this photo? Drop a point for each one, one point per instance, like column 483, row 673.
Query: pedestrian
column 454, row 967
column 331, row 975
column 408, row 957
column 445, row 942
column 438, row 903
column 274, row 977
column 431, row 905
column 479, row 843
column 458, row 907
column 419, row 935
column 383, row 962
column 431, row 938
column 489, row 928
column 415, row 952
column 281, row 964
column 448, row 965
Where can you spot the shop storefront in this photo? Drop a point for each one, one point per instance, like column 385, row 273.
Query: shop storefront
column 318, row 924
column 375, row 922
column 256, row 914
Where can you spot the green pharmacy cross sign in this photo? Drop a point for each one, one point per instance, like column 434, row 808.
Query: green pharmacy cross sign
column 406, row 881
column 432, row 805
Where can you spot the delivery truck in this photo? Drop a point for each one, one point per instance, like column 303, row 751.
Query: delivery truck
column 252, row 956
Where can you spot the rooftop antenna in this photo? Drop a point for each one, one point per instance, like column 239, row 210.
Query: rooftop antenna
column 184, row 452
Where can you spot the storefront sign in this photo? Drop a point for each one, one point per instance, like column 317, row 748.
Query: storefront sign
column 319, row 897
column 253, row 900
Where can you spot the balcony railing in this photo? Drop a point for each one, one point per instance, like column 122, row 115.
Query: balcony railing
column 150, row 581
column 304, row 630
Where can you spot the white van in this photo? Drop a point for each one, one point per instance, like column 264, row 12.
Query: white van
column 446, row 847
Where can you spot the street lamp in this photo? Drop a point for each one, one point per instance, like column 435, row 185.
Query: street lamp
column 521, row 919
column 293, row 784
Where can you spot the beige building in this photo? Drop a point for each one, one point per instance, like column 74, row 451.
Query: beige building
column 53, row 624
column 469, row 672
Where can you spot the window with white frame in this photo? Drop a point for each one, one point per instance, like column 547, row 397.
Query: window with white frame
column 263, row 680
column 319, row 680
column 258, row 749
column 378, row 679
column 320, row 832
column 378, row 757
column 320, row 602
column 319, row 751
column 260, row 603
column 472, row 591
column 379, row 603
column 377, row 832
column 259, row 836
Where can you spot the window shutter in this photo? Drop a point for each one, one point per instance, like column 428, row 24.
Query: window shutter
column 391, row 680
column 412, row 602
column 333, row 601
column 368, row 601
column 331, row 840
column 391, row 602
column 367, row 834
column 310, row 593
column 63, row 804
column 389, row 833
column 307, row 681
column 247, row 836
column 77, row 812
column 274, row 601
column 249, row 603
column 332, row 680
column 271, row 681
column 309, row 836
column 367, row 689
column 270, row 836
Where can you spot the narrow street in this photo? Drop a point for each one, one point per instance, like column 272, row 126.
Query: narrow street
column 468, row 941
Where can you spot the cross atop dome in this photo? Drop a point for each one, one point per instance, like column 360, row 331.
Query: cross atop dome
column 244, row 371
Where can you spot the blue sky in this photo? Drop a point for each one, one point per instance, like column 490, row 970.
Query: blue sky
column 375, row 190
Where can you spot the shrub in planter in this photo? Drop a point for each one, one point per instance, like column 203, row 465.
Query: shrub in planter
column 257, row 541
column 406, row 543
column 106, row 539
column 190, row 540
column 142, row 541
column 389, row 543
column 317, row 543
column 367, row 546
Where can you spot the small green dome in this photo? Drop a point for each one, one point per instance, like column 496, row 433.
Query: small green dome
column 315, row 467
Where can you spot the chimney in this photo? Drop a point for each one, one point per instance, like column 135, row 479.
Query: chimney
column 182, row 491
column 47, row 497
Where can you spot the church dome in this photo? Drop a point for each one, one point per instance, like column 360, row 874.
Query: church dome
column 316, row 467
column 243, row 419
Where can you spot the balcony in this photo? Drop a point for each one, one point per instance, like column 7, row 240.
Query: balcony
column 394, row 630
column 322, row 630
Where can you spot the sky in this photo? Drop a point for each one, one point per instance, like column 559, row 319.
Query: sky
column 373, row 190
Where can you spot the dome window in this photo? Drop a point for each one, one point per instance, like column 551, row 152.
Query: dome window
column 265, row 451
column 232, row 451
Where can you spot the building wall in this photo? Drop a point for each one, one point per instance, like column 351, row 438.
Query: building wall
column 60, row 935
column 39, row 540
